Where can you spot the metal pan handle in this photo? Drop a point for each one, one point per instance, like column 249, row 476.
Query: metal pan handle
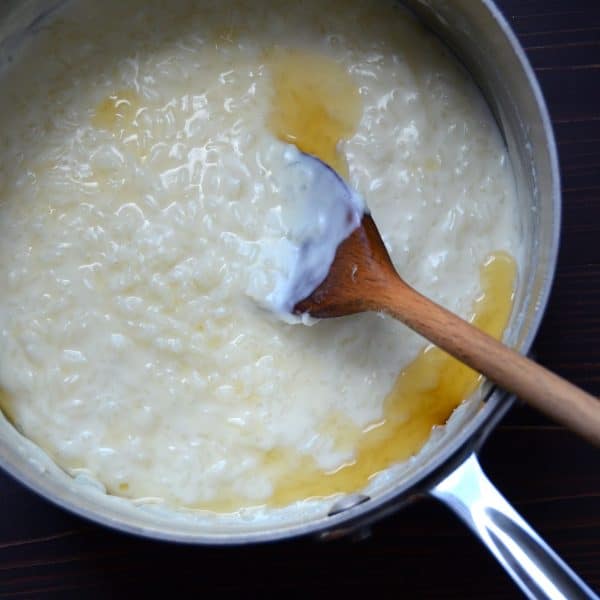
column 532, row 564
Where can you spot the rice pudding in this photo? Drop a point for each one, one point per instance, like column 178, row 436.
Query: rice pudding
column 142, row 178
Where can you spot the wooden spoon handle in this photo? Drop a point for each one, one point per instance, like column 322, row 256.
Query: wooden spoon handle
column 541, row 388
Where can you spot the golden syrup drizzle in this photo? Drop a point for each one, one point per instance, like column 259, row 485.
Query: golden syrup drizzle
column 117, row 112
column 120, row 114
column 424, row 395
column 315, row 104
column 6, row 405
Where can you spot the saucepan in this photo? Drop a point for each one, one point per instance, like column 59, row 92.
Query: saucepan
column 448, row 468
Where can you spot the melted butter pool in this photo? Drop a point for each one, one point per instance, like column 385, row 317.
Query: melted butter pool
column 315, row 104
column 118, row 113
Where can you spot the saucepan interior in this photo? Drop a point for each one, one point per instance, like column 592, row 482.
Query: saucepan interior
column 476, row 32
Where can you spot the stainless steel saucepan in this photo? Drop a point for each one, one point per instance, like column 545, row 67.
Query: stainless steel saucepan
column 476, row 31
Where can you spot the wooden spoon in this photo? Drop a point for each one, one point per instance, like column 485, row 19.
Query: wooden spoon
column 362, row 278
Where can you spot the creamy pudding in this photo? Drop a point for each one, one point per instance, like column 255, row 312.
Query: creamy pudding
column 142, row 189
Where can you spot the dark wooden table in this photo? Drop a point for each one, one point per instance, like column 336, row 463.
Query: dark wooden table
column 552, row 477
